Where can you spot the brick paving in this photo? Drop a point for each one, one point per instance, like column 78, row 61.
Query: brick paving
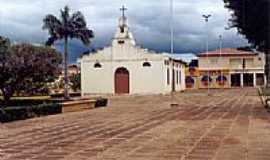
column 228, row 125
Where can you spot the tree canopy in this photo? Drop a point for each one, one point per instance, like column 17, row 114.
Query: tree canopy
column 252, row 19
column 67, row 26
column 25, row 67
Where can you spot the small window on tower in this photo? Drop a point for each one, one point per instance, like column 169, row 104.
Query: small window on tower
column 146, row 64
column 121, row 42
column 122, row 29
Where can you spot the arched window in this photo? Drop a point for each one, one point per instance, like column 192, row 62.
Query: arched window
column 206, row 80
column 121, row 42
column 221, row 80
column 146, row 64
column 122, row 29
column 190, row 82
column 97, row 65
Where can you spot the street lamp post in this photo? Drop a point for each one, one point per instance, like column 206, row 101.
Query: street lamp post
column 206, row 18
column 220, row 57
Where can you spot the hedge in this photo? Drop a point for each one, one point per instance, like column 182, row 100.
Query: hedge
column 24, row 112
column 25, row 109
column 25, row 102
column 61, row 95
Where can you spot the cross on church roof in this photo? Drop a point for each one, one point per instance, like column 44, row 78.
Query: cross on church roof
column 123, row 9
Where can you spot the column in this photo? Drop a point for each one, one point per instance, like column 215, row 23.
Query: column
column 242, row 80
column 254, row 80
column 265, row 80
column 230, row 81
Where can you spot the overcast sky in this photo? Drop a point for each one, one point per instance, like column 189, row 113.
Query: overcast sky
column 21, row 21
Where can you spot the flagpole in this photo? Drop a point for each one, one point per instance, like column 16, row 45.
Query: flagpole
column 172, row 26
column 173, row 102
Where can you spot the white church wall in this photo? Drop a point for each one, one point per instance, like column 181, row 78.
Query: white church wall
column 147, row 80
column 143, row 80
column 121, row 51
column 97, row 80
column 180, row 86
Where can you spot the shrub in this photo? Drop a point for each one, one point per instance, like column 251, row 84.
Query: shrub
column 101, row 102
column 24, row 112
column 24, row 102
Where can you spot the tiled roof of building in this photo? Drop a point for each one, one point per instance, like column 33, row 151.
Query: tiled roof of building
column 227, row 52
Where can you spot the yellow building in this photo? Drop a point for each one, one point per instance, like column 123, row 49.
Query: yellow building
column 227, row 68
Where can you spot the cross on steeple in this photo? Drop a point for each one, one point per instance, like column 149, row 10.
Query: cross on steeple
column 123, row 9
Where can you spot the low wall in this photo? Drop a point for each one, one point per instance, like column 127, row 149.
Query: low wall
column 83, row 104
column 76, row 106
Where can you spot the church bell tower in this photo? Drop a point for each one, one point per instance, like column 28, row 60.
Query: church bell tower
column 123, row 35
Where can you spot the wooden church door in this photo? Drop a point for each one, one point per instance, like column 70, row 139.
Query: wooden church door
column 121, row 81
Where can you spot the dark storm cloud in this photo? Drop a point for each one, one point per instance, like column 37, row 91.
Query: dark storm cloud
column 21, row 20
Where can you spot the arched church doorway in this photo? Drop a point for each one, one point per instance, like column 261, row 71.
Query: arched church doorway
column 121, row 81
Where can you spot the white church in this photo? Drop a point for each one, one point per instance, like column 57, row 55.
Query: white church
column 125, row 68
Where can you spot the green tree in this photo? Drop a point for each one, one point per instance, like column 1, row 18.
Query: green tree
column 75, row 82
column 67, row 27
column 4, row 72
column 252, row 19
column 27, row 68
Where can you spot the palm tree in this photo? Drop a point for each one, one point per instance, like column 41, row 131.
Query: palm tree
column 67, row 27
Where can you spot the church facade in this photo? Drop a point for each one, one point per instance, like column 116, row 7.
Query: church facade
column 125, row 68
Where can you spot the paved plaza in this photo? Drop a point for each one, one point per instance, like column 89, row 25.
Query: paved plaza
column 228, row 125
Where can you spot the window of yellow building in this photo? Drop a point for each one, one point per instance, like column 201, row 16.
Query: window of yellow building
column 213, row 61
column 236, row 63
column 249, row 62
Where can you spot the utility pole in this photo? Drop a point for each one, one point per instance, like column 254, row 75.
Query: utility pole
column 206, row 18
